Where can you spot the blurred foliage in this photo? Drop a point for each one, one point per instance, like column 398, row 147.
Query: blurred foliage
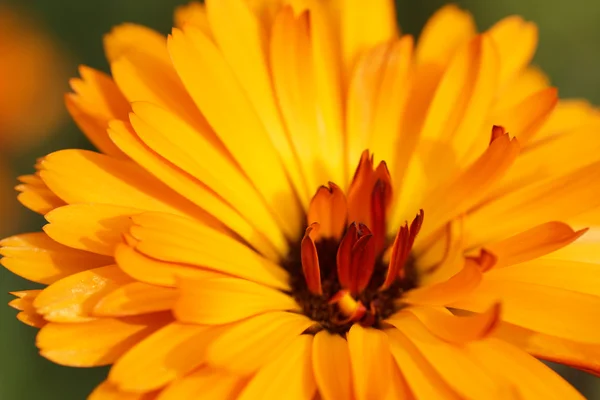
column 568, row 52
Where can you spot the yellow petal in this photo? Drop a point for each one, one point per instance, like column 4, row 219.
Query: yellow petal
column 572, row 275
column 222, row 300
column 453, row 328
column 446, row 31
column 533, row 243
column 183, row 241
column 531, row 378
column 180, row 144
column 108, row 391
column 162, row 357
column 528, row 82
column 73, row 298
column 206, row 383
column 422, row 379
column 96, row 101
column 217, row 213
column 24, row 303
column 550, row 310
column 331, row 365
column 146, row 269
column 106, row 180
column 584, row 356
column 95, row 228
column 380, row 17
column 370, row 361
column 253, row 343
column 460, row 371
column 516, row 41
column 36, row 257
column 135, row 298
column 560, row 197
column 35, row 195
column 289, row 376
column 568, row 115
column 243, row 41
column 213, row 86
column 93, row 343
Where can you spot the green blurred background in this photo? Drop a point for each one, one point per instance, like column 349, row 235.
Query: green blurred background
column 569, row 52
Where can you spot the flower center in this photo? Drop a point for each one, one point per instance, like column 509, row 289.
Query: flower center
column 346, row 269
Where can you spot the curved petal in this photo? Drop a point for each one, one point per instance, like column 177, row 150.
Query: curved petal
column 35, row 195
column 135, row 298
column 331, row 366
column 24, row 303
column 206, row 383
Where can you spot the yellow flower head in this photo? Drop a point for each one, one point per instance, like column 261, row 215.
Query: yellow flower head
column 292, row 200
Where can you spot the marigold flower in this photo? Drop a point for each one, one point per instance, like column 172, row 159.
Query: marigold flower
column 293, row 200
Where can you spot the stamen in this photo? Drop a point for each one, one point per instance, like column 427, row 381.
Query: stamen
column 350, row 308
column 310, row 260
column 356, row 258
column 328, row 207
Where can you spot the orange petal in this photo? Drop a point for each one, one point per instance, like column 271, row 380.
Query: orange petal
column 328, row 208
column 108, row 391
column 222, row 300
column 127, row 37
column 442, row 293
column 531, row 378
column 401, row 250
column 162, row 357
column 584, row 356
column 24, row 303
column 135, row 298
column 356, row 258
column 35, row 195
column 193, row 13
column 130, row 186
column 533, row 243
column 73, row 298
column 96, row 101
column 523, row 120
column 205, row 383
column 36, row 257
column 460, row 371
column 167, row 237
column 289, row 376
column 94, row 343
column 152, row 271
column 456, row 329
column 370, row 361
column 331, row 366
column 253, row 343
column 96, row 228
column 422, row 379
column 553, row 311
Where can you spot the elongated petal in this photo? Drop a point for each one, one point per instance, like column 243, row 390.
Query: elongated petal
column 165, row 355
column 180, row 240
column 568, row 318
column 331, row 365
column 457, row 329
column 533, row 243
column 253, row 343
column 35, row 195
column 135, row 298
column 36, row 257
column 206, row 383
column 94, row 343
column 222, row 300
column 421, row 377
column 108, row 391
column 531, row 378
column 24, row 303
column 289, row 376
column 460, row 371
column 371, row 362
column 96, row 228
column 73, row 298
column 328, row 207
